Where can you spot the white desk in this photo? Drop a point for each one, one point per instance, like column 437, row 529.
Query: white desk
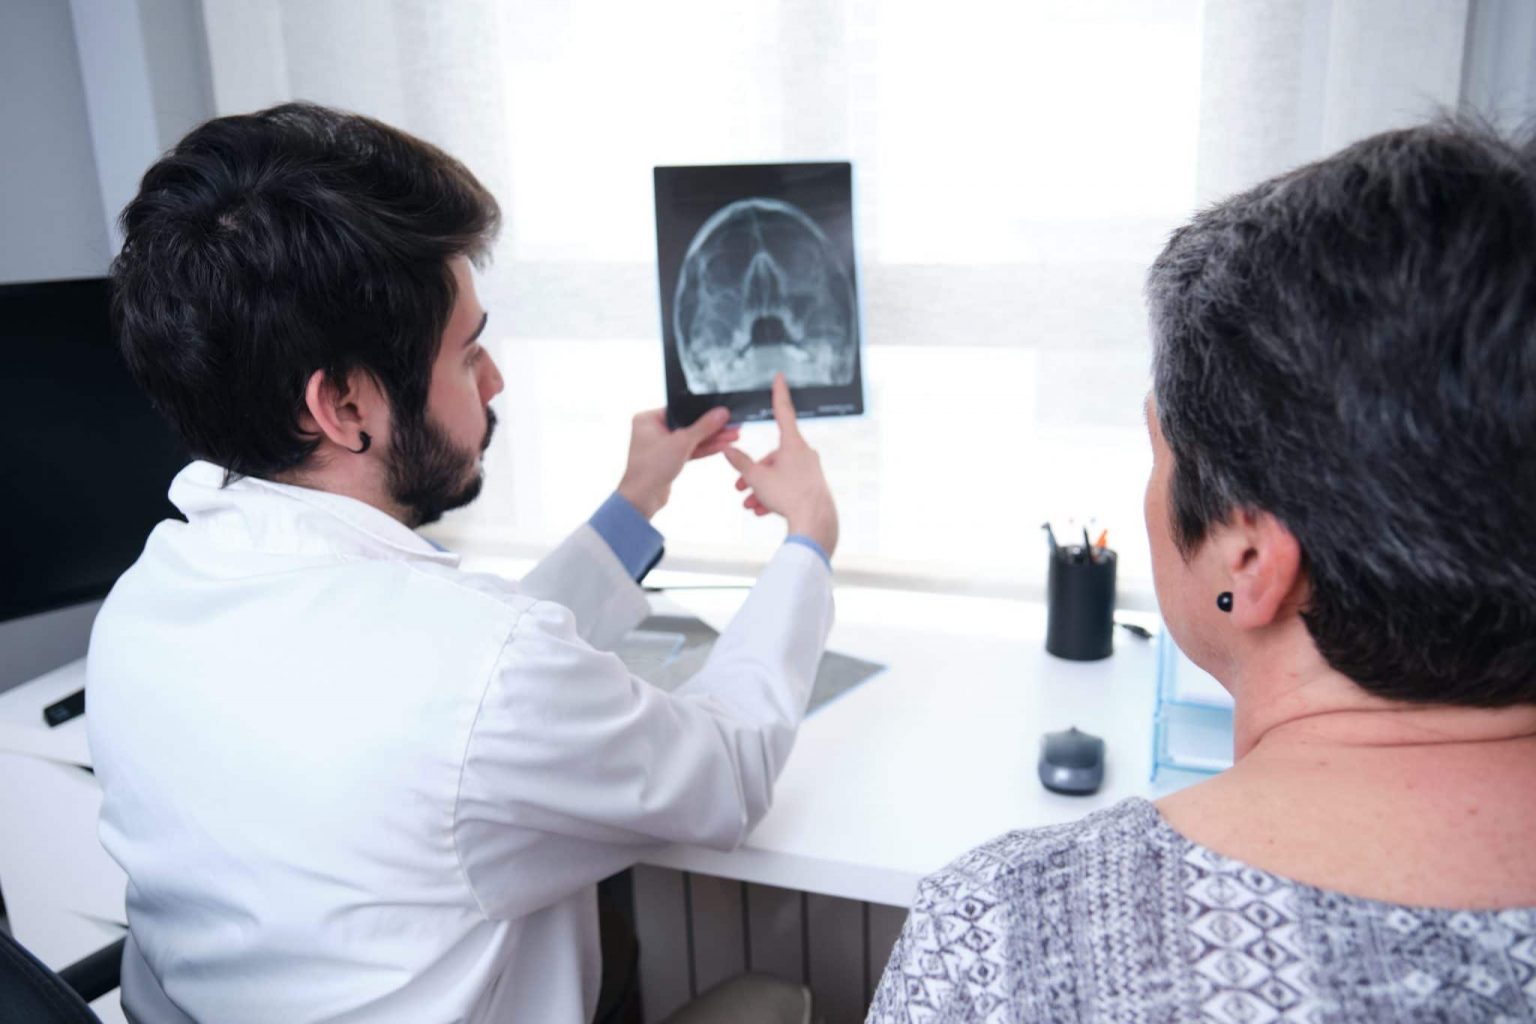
column 886, row 784
column 937, row 753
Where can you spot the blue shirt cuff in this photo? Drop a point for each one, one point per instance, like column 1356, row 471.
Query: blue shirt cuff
column 635, row 541
column 800, row 538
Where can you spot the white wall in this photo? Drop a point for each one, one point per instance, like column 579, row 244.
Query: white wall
column 51, row 226
column 1499, row 77
column 91, row 91
column 51, row 221
column 144, row 69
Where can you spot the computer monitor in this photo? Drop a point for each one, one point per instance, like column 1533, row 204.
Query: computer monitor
column 85, row 461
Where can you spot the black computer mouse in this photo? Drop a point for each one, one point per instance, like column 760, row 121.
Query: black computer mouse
column 1071, row 762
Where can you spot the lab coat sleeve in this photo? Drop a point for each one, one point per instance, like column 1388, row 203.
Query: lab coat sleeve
column 574, row 766
column 585, row 576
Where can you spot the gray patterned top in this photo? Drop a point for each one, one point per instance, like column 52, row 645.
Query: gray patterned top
column 1119, row 918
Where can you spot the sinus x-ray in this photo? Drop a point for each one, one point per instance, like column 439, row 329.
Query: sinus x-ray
column 757, row 278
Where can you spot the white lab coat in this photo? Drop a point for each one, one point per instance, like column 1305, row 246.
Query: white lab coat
column 350, row 782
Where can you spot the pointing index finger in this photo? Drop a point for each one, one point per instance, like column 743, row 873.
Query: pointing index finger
column 784, row 410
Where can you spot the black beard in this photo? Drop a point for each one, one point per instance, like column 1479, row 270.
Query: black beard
column 428, row 475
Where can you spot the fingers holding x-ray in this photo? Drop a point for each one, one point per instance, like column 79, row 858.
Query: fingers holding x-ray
column 751, row 502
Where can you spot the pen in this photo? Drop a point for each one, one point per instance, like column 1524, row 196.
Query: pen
column 1088, row 554
column 1050, row 536
column 698, row 586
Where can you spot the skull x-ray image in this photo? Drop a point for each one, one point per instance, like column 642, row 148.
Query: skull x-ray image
column 757, row 278
column 762, row 291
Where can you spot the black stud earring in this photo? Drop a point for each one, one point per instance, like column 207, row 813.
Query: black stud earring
column 1223, row 599
column 366, row 442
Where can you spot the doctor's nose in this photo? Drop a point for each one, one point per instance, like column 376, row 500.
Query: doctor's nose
column 491, row 383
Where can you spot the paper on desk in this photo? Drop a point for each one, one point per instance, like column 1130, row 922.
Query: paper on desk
column 690, row 639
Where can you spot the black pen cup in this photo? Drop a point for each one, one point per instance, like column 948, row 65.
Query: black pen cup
column 1080, row 603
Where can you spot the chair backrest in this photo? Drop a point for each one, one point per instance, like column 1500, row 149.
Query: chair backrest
column 32, row 994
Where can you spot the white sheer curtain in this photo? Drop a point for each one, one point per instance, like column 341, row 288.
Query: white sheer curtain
column 1017, row 166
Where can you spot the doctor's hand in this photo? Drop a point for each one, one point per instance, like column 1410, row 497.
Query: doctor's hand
column 657, row 455
column 789, row 480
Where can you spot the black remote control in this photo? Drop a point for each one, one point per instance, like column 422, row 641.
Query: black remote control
column 62, row 711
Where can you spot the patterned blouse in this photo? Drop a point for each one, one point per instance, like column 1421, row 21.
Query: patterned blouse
column 1119, row 918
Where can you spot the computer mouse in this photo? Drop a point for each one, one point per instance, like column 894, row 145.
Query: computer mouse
column 1071, row 762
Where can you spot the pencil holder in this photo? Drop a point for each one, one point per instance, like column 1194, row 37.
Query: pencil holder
column 1080, row 603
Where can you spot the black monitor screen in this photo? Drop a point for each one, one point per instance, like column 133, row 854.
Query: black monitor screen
column 84, row 460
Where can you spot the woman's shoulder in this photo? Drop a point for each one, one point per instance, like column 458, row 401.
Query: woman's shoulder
column 1119, row 916
column 1005, row 927
column 1023, row 857
column 1121, row 847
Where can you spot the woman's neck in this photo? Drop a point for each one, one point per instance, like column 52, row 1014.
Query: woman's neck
column 1408, row 803
column 1287, row 697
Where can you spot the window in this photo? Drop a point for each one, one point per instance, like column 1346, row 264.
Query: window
column 1017, row 167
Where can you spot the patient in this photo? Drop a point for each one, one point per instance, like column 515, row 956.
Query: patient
column 1342, row 513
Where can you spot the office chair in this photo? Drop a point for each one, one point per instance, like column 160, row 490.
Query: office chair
column 30, row 993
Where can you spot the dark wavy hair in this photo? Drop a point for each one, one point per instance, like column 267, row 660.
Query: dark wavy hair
column 267, row 246
column 1351, row 347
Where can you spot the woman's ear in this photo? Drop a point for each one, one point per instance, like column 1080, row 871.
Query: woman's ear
column 344, row 411
column 1263, row 563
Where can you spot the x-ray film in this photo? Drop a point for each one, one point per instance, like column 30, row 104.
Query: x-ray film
column 757, row 277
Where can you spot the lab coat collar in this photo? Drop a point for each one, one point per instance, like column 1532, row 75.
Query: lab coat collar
column 287, row 519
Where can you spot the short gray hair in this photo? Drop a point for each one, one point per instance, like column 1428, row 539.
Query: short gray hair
column 1351, row 347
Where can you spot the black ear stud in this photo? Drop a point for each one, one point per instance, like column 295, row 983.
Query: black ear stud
column 1224, row 600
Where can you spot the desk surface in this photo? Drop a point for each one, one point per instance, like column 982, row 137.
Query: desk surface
column 22, row 729
column 895, row 778
column 936, row 754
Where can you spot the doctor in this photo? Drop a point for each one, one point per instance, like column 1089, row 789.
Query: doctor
column 347, row 780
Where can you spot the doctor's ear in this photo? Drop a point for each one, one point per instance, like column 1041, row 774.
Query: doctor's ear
column 1261, row 560
column 348, row 410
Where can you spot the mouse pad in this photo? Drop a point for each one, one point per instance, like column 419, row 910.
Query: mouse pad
column 667, row 650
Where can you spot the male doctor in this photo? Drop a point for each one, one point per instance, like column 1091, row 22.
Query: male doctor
column 347, row 780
